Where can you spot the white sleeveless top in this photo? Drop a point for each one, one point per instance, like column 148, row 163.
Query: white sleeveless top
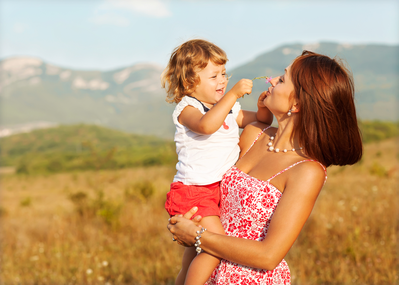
column 204, row 159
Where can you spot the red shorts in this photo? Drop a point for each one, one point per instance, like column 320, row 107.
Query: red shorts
column 181, row 198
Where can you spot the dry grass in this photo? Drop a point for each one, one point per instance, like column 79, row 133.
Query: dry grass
column 123, row 241
column 351, row 236
column 109, row 227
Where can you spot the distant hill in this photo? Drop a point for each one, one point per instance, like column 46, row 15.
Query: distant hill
column 91, row 147
column 82, row 147
column 129, row 99
column 36, row 93
column 375, row 69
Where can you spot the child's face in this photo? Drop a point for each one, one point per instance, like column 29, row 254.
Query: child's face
column 212, row 85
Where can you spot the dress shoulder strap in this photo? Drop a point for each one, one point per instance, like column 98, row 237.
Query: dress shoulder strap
column 260, row 133
column 299, row 162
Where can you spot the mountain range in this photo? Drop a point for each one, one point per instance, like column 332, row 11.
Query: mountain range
column 38, row 94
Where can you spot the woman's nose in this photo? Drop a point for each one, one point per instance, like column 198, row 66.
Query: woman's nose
column 274, row 81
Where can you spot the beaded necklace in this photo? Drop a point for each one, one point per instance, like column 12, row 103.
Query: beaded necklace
column 271, row 148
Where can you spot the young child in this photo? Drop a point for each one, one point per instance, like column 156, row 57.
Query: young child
column 206, row 137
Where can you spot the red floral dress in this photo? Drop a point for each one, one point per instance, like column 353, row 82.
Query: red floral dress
column 246, row 207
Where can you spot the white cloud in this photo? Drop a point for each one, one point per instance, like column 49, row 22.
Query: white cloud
column 152, row 8
column 110, row 19
column 103, row 14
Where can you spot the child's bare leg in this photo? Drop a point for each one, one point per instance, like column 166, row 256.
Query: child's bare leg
column 203, row 265
column 188, row 256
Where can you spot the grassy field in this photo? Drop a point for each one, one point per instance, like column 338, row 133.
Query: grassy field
column 109, row 226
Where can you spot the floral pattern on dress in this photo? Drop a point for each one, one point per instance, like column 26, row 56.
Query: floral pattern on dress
column 247, row 206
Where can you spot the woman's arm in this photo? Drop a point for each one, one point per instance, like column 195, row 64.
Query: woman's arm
column 294, row 208
column 213, row 119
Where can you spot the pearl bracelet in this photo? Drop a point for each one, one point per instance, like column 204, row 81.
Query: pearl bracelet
column 198, row 242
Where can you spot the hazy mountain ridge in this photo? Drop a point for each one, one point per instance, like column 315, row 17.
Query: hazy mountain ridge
column 132, row 99
column 32, row 90
column 375, row 70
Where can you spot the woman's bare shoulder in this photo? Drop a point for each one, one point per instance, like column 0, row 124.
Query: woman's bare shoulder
column 254, row 128
column 310, row 173
column 249, row 135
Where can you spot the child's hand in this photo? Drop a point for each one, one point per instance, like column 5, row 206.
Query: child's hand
column 242, row 87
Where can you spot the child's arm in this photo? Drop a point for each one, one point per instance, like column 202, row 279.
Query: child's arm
column 263, row 115
column 213, row 119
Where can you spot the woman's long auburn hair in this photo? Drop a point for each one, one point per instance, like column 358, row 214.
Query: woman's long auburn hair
column 326, row 123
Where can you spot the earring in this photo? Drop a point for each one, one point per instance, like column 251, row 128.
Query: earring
column 289, row 113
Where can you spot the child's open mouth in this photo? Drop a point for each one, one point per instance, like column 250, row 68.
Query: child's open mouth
column 220, row 91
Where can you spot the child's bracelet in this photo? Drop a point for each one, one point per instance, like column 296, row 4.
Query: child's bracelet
column 198, row 242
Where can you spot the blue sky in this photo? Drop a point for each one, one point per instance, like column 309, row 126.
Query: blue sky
column 104, row 34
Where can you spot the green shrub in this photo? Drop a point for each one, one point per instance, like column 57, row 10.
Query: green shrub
column 145, row 188
column 107, row 211
column 142, row 190
column 378, row 130
column 22, row 167
column 3, row 212
column 55, row 165
column 79, row 199
column 26, row 202
column 378, row 170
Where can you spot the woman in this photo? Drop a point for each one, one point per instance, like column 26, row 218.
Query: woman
column 268, row 195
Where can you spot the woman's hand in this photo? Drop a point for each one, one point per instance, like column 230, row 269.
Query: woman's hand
column 261, row 98
column 263, row 115
column 184, row 229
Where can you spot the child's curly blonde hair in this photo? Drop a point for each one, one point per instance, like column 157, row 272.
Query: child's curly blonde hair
column 180, row 77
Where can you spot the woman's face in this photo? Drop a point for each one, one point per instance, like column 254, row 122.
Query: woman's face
column 278, row 97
